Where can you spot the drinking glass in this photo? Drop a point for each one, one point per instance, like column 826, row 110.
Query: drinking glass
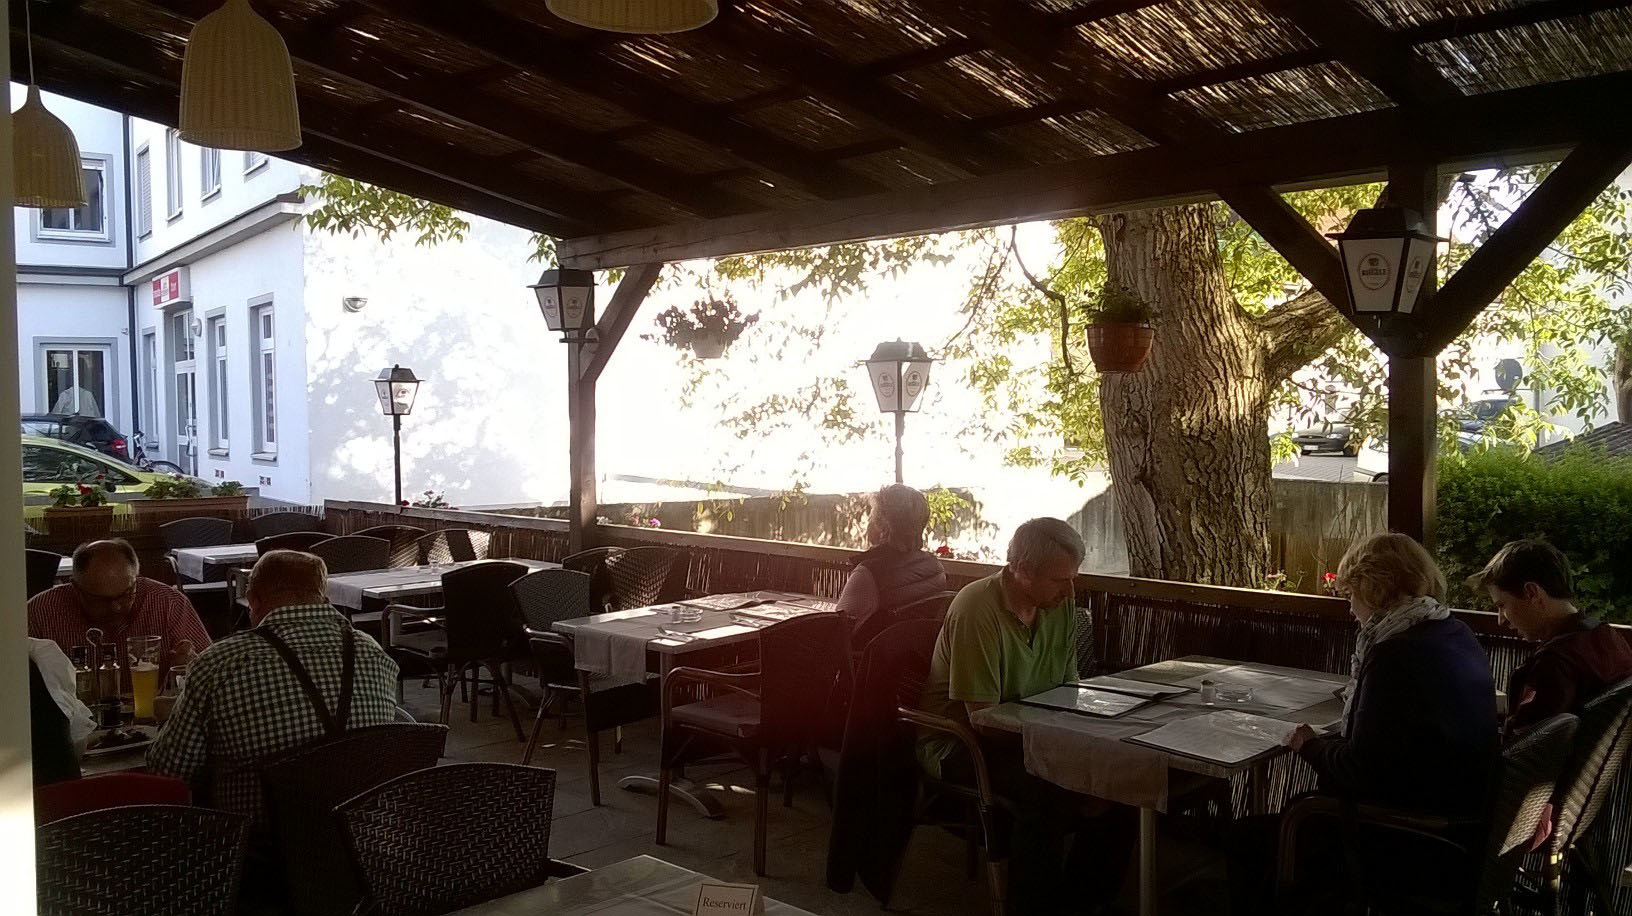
column 178, row 678
column 144, row 673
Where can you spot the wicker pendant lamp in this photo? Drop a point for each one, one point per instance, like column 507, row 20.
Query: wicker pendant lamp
column 642, row 17
column 45, row 155
column 237, row 84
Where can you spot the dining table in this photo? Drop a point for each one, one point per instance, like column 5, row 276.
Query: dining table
column 212, row 564
column 632, row 645
column 364, row 594
column 641, row 886
column 1117, row 759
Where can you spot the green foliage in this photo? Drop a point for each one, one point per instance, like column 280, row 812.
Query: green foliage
column 1116, row 304
column 79, row 495
column 944, row 507
column 345, row 205
column 716, row 318
column 1581, row 503
column 173, row 487
column 430, row 499
column 227, row 488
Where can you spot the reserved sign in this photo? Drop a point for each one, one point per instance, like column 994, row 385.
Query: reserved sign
column 717, row 898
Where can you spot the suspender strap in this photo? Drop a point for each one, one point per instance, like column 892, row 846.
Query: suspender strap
column 333, row 723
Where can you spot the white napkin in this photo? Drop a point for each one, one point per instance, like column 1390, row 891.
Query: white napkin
column 58, row 673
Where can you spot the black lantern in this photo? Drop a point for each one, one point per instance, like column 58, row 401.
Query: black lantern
column 396, row 388
column 900, row 372
column 567, row 299
column 1386, row 254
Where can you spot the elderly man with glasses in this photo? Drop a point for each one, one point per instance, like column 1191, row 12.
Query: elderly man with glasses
column 106, row 593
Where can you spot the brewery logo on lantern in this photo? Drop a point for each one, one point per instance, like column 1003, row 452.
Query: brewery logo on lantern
column 913, row 381
column 1374, row 271
column 886, row 385
column 573, row 308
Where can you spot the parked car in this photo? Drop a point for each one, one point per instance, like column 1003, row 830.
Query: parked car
column 1333, row 437
column 50, row 463
column 1372, row 461
column 1474, row 416
column 90, row 432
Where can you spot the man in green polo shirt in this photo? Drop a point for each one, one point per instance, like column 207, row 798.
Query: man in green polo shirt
column 1008, row 636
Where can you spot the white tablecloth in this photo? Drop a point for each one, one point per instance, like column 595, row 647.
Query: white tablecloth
column 614, row 645
column 350, row 589
column 190, row 561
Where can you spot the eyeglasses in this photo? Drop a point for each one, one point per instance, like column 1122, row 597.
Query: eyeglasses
column 105, row 601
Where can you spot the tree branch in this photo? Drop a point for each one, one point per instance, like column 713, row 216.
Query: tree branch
column 1297, row 332
column 1059, row 300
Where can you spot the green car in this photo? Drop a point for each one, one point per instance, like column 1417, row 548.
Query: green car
column 50, row 463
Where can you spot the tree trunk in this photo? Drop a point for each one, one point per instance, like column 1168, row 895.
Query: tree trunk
column 1188, row 435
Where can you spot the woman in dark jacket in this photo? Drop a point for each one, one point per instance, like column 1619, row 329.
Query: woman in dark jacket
column 896, row 571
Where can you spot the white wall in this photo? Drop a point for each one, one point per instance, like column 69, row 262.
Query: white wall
column 58, row 313
column 100, row 134
column 229, row 282
column 490, row 423
column 240, row 191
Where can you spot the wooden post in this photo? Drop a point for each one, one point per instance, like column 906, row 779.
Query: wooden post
column 586, row 360
column 1413, row 386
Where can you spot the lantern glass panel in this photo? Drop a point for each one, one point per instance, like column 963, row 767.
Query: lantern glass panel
column 1419, row 258
column 914, row 379
column 1372, row 267
column 886, row 384
column 549, row 302
column 574, row 308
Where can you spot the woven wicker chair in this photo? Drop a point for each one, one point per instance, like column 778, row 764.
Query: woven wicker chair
column 302, row 790
column 453, row 836
column 454, row 545
column 480, row 627
column 931, row 608
column 291, row 540
column 544, row 597
column 640, row 576
column 352, row 553
column 1601, row 747
column 196, row 532
column 1480, row 874
column 592, row 562
column 141, row 860
column 404, row 542
column 41, row 572
column 767, row 717
column 273, row 523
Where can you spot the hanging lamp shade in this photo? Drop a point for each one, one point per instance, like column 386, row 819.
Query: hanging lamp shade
column 46, row 157
column 643, row 17
column 237, row 84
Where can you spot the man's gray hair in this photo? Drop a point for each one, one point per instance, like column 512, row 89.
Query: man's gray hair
column 87, row 555
column 290, row 574
column 1042, row 539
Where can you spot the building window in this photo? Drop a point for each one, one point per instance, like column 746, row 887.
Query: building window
column 209, row 173
column 253, row 161
column 87, row 222
column 150, row 391
column 76, row 380
column 172, row 172
column 144, row 193
column 217, row 341
column 266, row 381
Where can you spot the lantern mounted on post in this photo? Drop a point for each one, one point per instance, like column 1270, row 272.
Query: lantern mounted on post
column 1386, row 254
column 899, row 371
column 567, row 299
column 396, row 388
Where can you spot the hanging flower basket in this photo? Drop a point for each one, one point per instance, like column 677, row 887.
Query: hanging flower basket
column 1120, row 333
column 707, row 328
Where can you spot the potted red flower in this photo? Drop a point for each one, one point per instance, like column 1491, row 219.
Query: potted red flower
column 80, row 510
column 1120, row 332
column 178, row 497
column 706, row 329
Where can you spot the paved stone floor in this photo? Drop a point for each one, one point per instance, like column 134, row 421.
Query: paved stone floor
column 932, row 879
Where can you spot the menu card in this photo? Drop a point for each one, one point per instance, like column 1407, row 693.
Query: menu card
column 1226, row 737
column 1131, row 687
column 1086, row 701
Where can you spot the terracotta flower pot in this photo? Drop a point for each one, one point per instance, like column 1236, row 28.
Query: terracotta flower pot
column 79, row 522
column 1120, row 347
column 707, row 346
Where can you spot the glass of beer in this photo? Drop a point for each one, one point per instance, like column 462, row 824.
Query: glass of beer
column 144, row 673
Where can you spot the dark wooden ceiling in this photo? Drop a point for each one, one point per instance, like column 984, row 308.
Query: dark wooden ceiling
column 839, row 119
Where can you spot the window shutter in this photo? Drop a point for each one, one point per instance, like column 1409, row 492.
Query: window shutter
column 144, row 193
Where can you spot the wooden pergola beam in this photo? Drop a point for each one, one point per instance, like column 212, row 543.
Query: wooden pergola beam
column 335, row 141
column 529, row 47
column 1493, row 129
column 609, row 330
column 1292, row 237
column 429, row 93
column 1368, row 48
column 1553, row 205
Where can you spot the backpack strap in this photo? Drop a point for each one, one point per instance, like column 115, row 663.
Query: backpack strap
column 333, row 723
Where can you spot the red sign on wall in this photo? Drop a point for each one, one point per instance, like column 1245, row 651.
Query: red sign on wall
column 170, row 287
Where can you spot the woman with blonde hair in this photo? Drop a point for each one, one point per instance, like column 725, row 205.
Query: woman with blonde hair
column 1419, row 715
column 896, row 570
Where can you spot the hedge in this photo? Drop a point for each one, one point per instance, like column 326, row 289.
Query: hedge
column 1581, row 502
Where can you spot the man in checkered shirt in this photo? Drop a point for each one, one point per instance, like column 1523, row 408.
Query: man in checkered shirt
column 106, row 593
column 243, row 706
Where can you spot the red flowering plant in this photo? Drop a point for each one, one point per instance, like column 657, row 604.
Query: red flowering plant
column 1328, row 583
column 85, row 496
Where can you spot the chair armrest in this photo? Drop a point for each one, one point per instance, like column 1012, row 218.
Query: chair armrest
column 555, row 868
column 740, row 683
column 392, row 616
column 1350, row 814
column 965, row 737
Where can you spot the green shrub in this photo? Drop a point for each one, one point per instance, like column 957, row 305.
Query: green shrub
column 1581, row 503
column 173, row 487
